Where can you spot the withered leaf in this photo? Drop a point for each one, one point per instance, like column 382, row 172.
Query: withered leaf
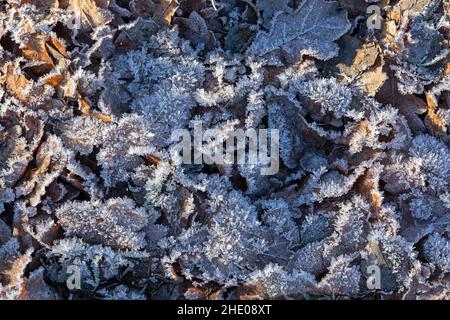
column 85, row 108
column 164, row 11
column 93, row 13
column 42, row 49
column 12, row 266
column 372, row 80
column 362, row 64
column 16, row 82
column 53, row 79
column 405, row 8
column 432, row 121
column 367, row 185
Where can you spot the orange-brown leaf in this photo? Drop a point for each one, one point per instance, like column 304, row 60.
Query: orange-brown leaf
column 44, row 50
column 16, row 83
column 93, row 13
column 432, row 121
column 53, row 80
column 165, row 10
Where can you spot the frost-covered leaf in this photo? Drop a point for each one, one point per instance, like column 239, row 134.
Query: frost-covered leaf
column 310, row 30
column 342, row 278
column 270, row 7
column 116, row 223
column 195, row 30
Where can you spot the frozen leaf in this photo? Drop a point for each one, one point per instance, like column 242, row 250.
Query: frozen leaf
column 275, row 282
column 12, row 267
column 121, row 292
column 96, row 262
column 342, row 278
column 81, row 134
column 284, row 116
column 131, row 135
column 195, row 30
column 51, row 159
column 437, row 250
column 5, row 232
column 270, row 7
column 35, row 288
column 311, row 30
column 142, row 8
column 116, row 223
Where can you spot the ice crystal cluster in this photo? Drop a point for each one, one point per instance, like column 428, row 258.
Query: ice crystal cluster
column 91, row 91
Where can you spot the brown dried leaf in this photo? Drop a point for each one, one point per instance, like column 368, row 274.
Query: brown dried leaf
column 20, row 220
column 362, row 64
column 44, row 50
column 53, row 79
column 102, row 117
column 55, row 191
column 405, row 8
column 93, row 13
column 432, row 121
column 359, row 130
column 85, row 108
column 164, row 11
column 50, row 162
column 356, row 57
column 186, row 201
column 12, row 267
column 16, row 83
column 367, row 185
column 372, row 80
column 390, row 30
column 409, row 106
column 153, row 160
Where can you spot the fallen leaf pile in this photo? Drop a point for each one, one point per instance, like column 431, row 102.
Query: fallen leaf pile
column 92, row 92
